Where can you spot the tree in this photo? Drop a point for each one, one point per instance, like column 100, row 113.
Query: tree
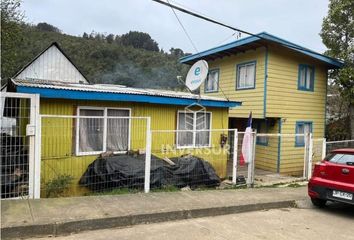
column 177, row 52
column 110, row 38
column 11, row 18
column 139, row 40
column 338, row 36
column 85, row 35
column 43, row 26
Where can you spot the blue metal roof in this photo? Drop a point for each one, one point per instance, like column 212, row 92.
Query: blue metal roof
column 334, row 63
column 123, row 97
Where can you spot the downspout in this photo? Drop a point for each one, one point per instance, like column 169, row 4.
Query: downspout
column 280, row 121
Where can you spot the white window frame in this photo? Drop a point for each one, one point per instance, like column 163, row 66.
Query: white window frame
column 105, row 119
column 238, row 74
column 193, row 145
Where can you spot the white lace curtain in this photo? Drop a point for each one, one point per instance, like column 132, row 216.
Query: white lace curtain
column 91, row 130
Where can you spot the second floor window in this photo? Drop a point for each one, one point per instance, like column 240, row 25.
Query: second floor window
column 246, row 76
column 212, row 82
column 306, row 77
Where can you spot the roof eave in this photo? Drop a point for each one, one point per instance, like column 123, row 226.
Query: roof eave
column 123, row 97
column 331, row 62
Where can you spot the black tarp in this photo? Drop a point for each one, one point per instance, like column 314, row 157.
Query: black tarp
column 128, row 171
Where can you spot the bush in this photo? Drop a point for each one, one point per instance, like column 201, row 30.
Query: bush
column 58, row 186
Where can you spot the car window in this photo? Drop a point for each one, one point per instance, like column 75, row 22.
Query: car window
column 341, row 158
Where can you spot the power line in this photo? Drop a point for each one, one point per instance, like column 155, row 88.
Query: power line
column 293, row 46
column 191, row 41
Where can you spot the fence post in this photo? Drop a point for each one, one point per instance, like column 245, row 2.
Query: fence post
column 234, row 157
column 38, row 156
column 306, row 154
column 254, row 156
column 309, row 170
column 147, row 156
column 251, row 161
column 324, row 148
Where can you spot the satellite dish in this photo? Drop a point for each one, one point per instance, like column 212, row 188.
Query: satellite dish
column 197, row 75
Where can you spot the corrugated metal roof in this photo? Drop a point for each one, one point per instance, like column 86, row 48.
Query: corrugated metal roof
column 110, row 88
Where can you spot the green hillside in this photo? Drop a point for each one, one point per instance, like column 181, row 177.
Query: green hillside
column 132, row 59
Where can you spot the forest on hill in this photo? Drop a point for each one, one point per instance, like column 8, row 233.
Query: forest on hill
column 132, row 59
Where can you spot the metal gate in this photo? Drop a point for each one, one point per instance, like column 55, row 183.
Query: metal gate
column 20, row 169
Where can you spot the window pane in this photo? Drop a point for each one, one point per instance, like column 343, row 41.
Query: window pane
column 262, row 128
column 242, row 77
column 308, row 78
column 302, row 77
column 212, row 81
column 185, row 122
column 300, row 139
column 250, row 75
column 91, row 131
column 343, row 158
column 203, row 123
column 302, row 129
column 117, row 130
column 246, row 76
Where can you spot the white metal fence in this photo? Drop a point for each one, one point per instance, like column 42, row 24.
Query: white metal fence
column 332, row 145
column 19, row 115
column 93, row 154
column 109, row 151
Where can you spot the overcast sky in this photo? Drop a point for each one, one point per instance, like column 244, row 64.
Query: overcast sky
column 297, row 21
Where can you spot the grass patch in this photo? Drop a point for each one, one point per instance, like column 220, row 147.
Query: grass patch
column 169, row 188
column 116, row 191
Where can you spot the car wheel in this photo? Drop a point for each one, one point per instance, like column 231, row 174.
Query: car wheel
column 318, row 202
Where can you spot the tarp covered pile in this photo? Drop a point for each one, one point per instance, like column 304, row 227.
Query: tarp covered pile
column 128, row 171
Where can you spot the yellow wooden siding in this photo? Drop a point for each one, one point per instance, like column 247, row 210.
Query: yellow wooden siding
column 267, row 156
column 252, row 99
column 58, row 137
column 284, row 100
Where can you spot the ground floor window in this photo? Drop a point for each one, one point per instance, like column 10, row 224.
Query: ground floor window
column 195, row 128
column 262, row 127
column 101, row 131
column 302, row 128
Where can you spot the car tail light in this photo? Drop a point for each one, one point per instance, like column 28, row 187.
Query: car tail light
column 320, row 170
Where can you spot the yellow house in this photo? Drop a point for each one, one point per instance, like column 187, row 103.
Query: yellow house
column 283, row 84
column 78, row 123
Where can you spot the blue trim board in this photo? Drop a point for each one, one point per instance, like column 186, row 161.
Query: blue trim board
column 265, row 83
column 123, row 97
column 205, row 83
column 312, row 80
column 279, row 145
column 335, row 63
column 221, row 48
column 297, row 124
column 325, row 110
column 238, row 74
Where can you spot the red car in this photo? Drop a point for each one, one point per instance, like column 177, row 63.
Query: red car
column 333, row 178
